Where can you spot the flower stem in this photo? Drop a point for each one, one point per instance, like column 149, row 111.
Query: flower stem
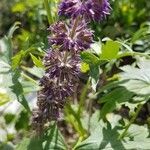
column 76, row 122
column 47, row 5
column 131, row 122
column 29, row 78
column 83, row 97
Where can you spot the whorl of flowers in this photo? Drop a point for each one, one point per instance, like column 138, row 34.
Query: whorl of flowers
column 62, row 61
column 73, row 37
column 95, row 10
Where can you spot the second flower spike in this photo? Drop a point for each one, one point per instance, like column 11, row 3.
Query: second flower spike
column 95, row 10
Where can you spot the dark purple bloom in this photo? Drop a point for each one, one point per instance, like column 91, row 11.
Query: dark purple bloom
column 74, row 37
column 61, row 65
column 90, row 9
column 58, row 83
column 61, row 74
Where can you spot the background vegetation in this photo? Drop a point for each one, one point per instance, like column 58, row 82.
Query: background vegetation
column 113, row 109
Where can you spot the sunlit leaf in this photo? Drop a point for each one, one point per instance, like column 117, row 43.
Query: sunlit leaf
column 110, row 50
column 4, row 98
column 37, row 72
column 96, row 47
column 19, row 7
column 17, row 88
column 138, row 78
column 84, row 67
column 90, row 58
column 37, row 62
column 106, row 137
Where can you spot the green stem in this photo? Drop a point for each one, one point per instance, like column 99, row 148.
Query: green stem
column 134, row 54
column 79, row 126
column 82, row 98
column 131, row 122
column 78, row 142
column 90, row 114
column 142, row 54
column 28, row 78
column 47, row 8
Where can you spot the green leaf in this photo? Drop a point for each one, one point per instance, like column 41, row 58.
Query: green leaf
column 96, row 47
column 93, row 61
column 6, row 49
column 37, row 72
column 18, row 58
column 37, row 62
column 6, row 44
column 6, row 146
column 29, row 87
column 90, row 58
column 9, row 118
column 116, row 96
column 125, row 46
column 13, row 29
column 84, row 67
column 51, row 140
column 137, row 86
column 140, row 33
column 19, row 7
column 95, row 74
column 4, row 98
column 4, row 67
column 105, row 137
column 102, row 137
column 48, row 6
column 17, row 88
column 138, row 79
column 110, row 50
column 138, row 132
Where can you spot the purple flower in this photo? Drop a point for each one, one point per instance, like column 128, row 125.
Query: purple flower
column 74, row 37
column 90, row 9
column 58, row 83
column 62, row 65
column 61, row 74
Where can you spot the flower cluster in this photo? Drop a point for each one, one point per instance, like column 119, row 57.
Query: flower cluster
column 73, row 37
column 61, row 74
column 62, row 61
column 94, row 10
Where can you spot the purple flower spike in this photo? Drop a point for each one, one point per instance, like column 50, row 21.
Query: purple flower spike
column 71, row 38
column 58, row 83
column 90, row 9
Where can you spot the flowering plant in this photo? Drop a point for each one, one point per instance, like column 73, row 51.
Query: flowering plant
column 79, row 88
column 62, row 61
